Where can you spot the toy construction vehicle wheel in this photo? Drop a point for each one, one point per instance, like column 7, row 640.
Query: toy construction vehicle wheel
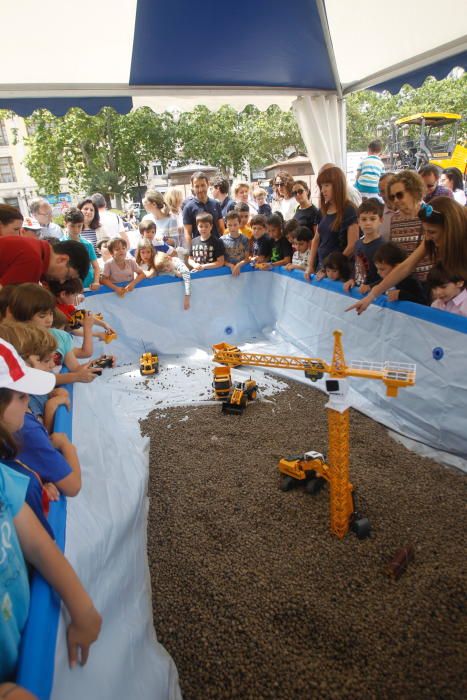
column 361, row 527
column 314, row 485
column 253, row 395
column 287, row 483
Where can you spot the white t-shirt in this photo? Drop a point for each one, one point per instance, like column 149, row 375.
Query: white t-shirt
column 111, row 225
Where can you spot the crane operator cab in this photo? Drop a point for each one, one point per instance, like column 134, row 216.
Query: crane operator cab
column 337, row 390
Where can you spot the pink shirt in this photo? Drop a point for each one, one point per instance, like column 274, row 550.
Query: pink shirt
column 458, row 305
column 117, row 274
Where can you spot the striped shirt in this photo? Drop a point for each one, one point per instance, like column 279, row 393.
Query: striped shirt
column 408, row 234
column 370, row 169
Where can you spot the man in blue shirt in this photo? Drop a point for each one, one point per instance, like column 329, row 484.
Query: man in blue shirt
column 199, row 204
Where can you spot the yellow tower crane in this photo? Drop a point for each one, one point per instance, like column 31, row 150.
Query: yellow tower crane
column 312, row 468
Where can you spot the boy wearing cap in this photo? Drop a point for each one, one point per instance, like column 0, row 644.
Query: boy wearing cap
column 30, row 228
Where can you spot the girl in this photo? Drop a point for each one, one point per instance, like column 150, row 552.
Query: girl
column 145, row 257
column 26, row 536
column 453, row 180
column 11, row 220
column 159, row 213
column 91, row 221
column 338, row 228
column 448, row 290
column 336, row 267
column 31, row 302
column 444, row 224
column 281, row 249
column 167, row 265
column 121, row 269
column 306, row 214
column 174, row 200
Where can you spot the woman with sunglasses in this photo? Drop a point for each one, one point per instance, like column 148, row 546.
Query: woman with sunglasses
column 284, row 201
column 405, row 192
column 306, row 214
column 444, row 225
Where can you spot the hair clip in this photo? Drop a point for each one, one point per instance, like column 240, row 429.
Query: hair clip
column 427, row 209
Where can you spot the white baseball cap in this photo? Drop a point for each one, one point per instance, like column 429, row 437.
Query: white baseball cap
column 16, row 375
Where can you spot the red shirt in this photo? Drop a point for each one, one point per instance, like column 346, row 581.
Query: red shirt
column 23, row 259
column 67, row 309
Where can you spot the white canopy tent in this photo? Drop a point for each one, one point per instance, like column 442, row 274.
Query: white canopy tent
column 176, row 55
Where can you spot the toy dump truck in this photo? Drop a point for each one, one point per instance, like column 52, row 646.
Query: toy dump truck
column 222, row 382
column 241, row 394
column 148, row 364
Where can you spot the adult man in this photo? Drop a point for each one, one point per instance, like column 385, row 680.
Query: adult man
column 42, row 211
column 30, row 260
column 220, row 192
column 199, row 204
column 430, row 175
column 111, row 224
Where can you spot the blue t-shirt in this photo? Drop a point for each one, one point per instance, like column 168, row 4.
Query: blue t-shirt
column 37, row 403
column 14, row 586
column 92, row 256
column 38, row 453
column 235, row 248
column 329, row 240
column 64, row 341
column 194, row 207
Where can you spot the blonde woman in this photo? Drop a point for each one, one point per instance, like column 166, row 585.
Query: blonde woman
column 159, row 213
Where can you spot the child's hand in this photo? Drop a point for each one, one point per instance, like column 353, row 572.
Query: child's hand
column 288, row 267
column 100, row 336
column 88, row 320
column 81, row 633
column 320, row 275
column 186, row 303
column 59, row 441
column 236, row 270
column 350, row 284
column 364, row 288
column 87, row 374
column 393, row 294
column 264, row 266
column 95, row 286
column 197, row 267
column 121, row 291
column 62, row 399
column 52, row 491
column 129, row 287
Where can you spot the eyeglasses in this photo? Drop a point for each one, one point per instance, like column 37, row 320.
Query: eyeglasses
column 397, row 195
column 279, row 184
column 295, row 192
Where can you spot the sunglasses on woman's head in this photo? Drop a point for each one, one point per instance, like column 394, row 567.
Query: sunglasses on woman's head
column 397, row 195
column 295, row 192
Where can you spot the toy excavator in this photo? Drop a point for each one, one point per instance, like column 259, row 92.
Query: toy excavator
column 313, row 469
column 148, row 364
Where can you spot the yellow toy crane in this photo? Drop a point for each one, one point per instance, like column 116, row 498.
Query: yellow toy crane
column 312, row 468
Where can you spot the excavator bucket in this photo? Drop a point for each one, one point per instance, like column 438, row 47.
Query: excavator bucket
column 232, row 408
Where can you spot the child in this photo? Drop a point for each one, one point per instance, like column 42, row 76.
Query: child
column 148, row 232
column 145, row 257
column 370, row 218
column 260, row 198
column 290, row 231
column 51, row 463
column 102, row 249
column 121, row 269
column 336, row 267
column 74, row 222
column 207, row 251
column 242, row 196
column 65, row 294
column 26, row 536
column 37, row 347
column 386, row 258
column 281, row 253
column 370, row 170
column 261, row 243
column 449, row 291
column 168, row 265
column 243, row 211
column 301, row 256
column 235, row 243
column 31, row 302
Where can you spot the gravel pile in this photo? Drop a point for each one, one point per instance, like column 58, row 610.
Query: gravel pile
column 254, row 597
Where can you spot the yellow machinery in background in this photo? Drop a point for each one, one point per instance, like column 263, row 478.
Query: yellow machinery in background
column 313, row 466
column 148, row 364
column 427, row 137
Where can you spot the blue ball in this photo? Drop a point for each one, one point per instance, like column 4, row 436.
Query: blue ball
column 438, row 353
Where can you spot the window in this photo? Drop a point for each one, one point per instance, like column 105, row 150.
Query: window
column 7, row 171
column 158, row 169
column 3, row 134
column 12, row 201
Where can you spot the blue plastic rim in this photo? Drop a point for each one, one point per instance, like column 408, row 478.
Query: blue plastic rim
column 228, row 330
column 438, row 353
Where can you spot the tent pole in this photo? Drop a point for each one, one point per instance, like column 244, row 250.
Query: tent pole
column 328, row 41
column 343, row 131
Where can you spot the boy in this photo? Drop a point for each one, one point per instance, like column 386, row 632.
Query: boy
column 365, row 274
column 207, row 251
column 243, row 212
column 74, row 220
column 449, row 291
column 386, row 258
column 369, row 171
column 29, row 260
column 301, row 256
column 260, row 198
column 147, row 230
column 261, row 242
column 290, row 231
column 235, row 243
column 121, row 269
